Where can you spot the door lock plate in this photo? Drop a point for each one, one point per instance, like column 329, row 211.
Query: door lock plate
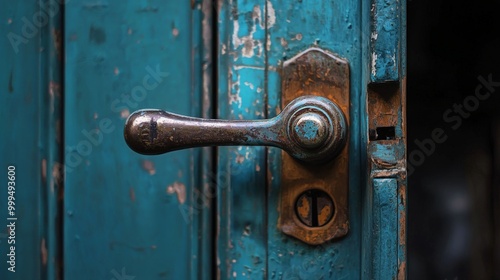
column 314, row 198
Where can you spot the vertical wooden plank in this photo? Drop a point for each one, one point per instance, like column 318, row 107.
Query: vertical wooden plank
column 31, row 95
column 385, row 80
column 385, row 227
column 128, row 215
column 336, row 27
column 242, row 215
column 52, row 166
column 201, row 210
column 385, row 40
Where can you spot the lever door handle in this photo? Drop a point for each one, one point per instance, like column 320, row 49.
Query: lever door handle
column 310, row 128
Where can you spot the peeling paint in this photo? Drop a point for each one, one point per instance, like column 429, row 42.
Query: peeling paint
column 240, row 159
column 57, row 176
column 284, row 43
column 239, row 67
column 248, row 42
column 179, row 189
column 271, row 15
column 124, row 113
column 54, row 89
column 175, row 32
column 43, row 252
column 235, row 86
column 374, row 64
column 57, row 40
column 207, row 58
column 131, row 193
column 149, row 166
column 44, row 170
column 250, row 85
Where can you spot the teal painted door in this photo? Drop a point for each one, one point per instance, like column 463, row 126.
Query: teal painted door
column 98, row 210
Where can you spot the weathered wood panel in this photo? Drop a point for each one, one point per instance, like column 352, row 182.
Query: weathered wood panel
column 127, row 214
column 31, row 141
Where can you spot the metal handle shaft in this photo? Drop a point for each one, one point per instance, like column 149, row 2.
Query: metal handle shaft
column 310, row 128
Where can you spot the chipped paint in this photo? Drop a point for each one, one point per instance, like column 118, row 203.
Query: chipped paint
column 250, row 85
column 207, row 39
column 131, row 194
column 149, row 166
column 271, row 15
column 175, row 32
column 240, row 159
column 248, row 42
column 43, row 252
column 44, row 170
column 284, row 43
column 57, row 41
column 54, row 89
column 57, row 176
column 235, row 97
column 239, row 67
column 124, row 113
column 385, row 38
column 179, row 189
column 374, row 64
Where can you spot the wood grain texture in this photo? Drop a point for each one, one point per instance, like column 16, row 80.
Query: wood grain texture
column 335, row 27
column 242, row 214
column 31, row 96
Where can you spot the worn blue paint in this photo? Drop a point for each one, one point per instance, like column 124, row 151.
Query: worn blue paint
column 308, row 131
column 385, row 153
column 127, row 214
column 244, row 252
column 385, row 178
column 291, row 29
column 385, row 41
column 385, row 228
column 242, row 213
column 334, row 26
column 30, row 94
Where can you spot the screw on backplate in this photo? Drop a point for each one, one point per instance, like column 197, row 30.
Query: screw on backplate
column 314, row 208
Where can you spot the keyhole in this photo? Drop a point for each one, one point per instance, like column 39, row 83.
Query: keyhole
column 314, row 208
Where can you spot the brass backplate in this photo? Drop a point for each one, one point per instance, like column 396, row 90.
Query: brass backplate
column 316, row 72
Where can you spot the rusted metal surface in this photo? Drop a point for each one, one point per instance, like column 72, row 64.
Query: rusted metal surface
column 310, row 128
column 316, row 72
column 314, row 208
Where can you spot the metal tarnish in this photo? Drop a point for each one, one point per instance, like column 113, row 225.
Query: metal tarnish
column 316, row 72
column 152, row 132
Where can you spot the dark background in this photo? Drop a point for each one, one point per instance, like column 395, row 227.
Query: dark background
column 454, row 211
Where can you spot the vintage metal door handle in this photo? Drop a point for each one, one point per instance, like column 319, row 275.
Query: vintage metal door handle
column 310, row 128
